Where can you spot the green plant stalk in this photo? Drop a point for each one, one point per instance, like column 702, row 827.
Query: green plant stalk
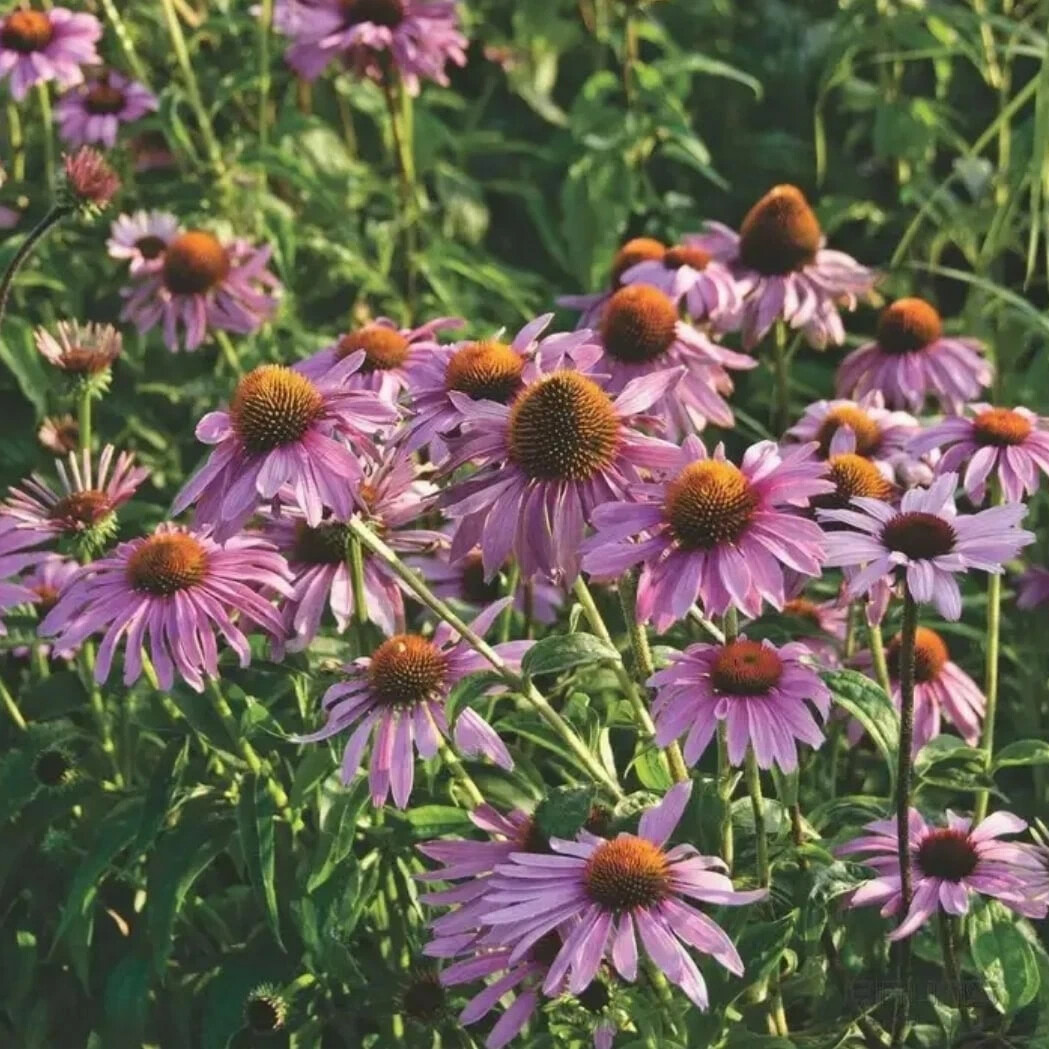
column 356, row 566
column 121, row 33
column 98, row 709
column 16, row 140
column 781, row 371
column 57, row 213
column 11, row 706
column 880, row 663
column 462, row 777
column 84, row 419
column 952, row 970
column 726, row 775
column 375, row 546
column 400, row 133
column 644, row 663
column 903, row 805
column 506, row 620
column 265, row 27
column 990, row 685
column 229, row 353
column 47, row 128
column 757, row 804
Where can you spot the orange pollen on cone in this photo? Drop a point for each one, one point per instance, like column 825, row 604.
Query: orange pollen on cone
column 746, row 668
column 166, row 564
column 626, row 873
column 908, row 325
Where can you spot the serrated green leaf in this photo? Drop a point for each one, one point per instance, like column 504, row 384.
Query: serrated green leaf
column 162, row 786
column 555, row 654
column 868, row 703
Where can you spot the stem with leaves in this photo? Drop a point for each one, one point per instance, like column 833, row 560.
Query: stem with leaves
column 35, row 235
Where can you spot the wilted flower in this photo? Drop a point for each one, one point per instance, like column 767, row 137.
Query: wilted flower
column 81, row 350
column 60, row 434
column 92, row 113
column 37, row 46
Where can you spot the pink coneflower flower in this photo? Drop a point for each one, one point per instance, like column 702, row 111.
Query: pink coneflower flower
column 92, row 113
column 690, row 276
column 1012, row 443
column 714, row 531
column 142, row 238
column 152, row 152
column 86, row 500
column 784, row 272
column 390, row 353
column 1033, row 588
column 89, row 180
column 170, row 591
column 610, row 891
column 82, row 350
column 394, row 497
column 759, row 691
column 37, row 46
column 282, row 429
column 877, row 433
column 448, row 377
column 926, row 541
column 633, row 252
column 940, row 687
column 640, row 332
column 398, row 695
column 911, row 360
column 59, row 435
column 45, row 583
column 203, row 283
column 949, row 865
column 819, row 625
column 17, row 553
column 416, row 37
column 563, row 447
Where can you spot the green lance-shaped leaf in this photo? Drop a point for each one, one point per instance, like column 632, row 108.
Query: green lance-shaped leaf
column 256, row 821
column 553, row 655
column 867, row 702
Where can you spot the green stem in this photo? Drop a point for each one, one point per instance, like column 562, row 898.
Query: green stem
column 84, row 419
column 903, row 805
column 781, row 369
column 265, row 25
column 47, row 127
column 757, row 804
column 506, row 620
column 360, row 600
column 630, row 55
column 16, row 141
column 98, row 709
column 949, row 944
column 11, row 706
column 35, row 235
column 726, row 774
column 709, row 628
column 229, row 353
column 880, row 663
column 990, row 689
column 122, row 34
column 399, row 121
column 413, row 582
column 462, row 777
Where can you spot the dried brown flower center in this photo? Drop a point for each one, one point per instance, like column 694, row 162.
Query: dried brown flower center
column 46, row 597
column 424, row 998
column 388, row 13
column 52, row 767
column 323, row 545
column 746, row 668
column 947, row 854
column 803, row 608
column 273, row 405
column 485, row 370
column 26, row 32
column 853, row 476
column 103, row 99
column 683, row 255
column 640, row 249
column 708, row 503
column 1001, row 427
column 80, row 510
column 930, row 655
column 919, row 535
column 165, row 564
column 384, row 348
column 151, row 246
column 780, row 233
column 563, row 428
column 194, row 263
column 264, row 1013
column 639, row 324
column 908, row 325
column 626, row 873
column 864, row 428
column 406, row 670
column 595, row 997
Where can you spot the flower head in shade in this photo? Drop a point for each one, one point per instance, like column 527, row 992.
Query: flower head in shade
column 37, row 46
column 81, row 350
column 142, row 238
column 877, row 433
column 91, row 113
column 611, row 892
column 640, row 333
column 714, row 531
column 394, row 497
column 1009, row 443
column 912, row 360
column 59, row 435
column 152, row 152
column 203, row 283
column 941, row 687
column 563, row 447
column 416, row 37
column 759, row 691
column 1033, row 588
column 390, row 353
column 925, row 541
column 281, row 429
column 398, row 694
column 45, row 582
column 784, row 272
column 444, row 379
column 632, row 253
column 819, row 625
column 949, row 865
column 84, row 504
column 169, row 593
column 90, row 183
column 17, row 553
column 691, row 277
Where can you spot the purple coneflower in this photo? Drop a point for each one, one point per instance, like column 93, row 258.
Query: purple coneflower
column 399, row 694
column 563, row 447
column 81, row 350
column 911, row 360
column 90, row 183
column 949, row 865
column 92, row 113
column 393, row 497
column 784, row 272
column 640, row 332
column 17, row 553
column 1012, row 443
column 819, row 625
column 37, row 46
column 759, row 691
column 877, row 433
column 714, row 531
column 45, row 582
column 611, row 891
column 142, row 238
column 203, row 283
column 926, row 540
column 416, row 37
column 86, row 500
column 1033, row 588
column 59, row 435
column 170, row 591
column 632, row 253
column 282, row 429
column 390, row 353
